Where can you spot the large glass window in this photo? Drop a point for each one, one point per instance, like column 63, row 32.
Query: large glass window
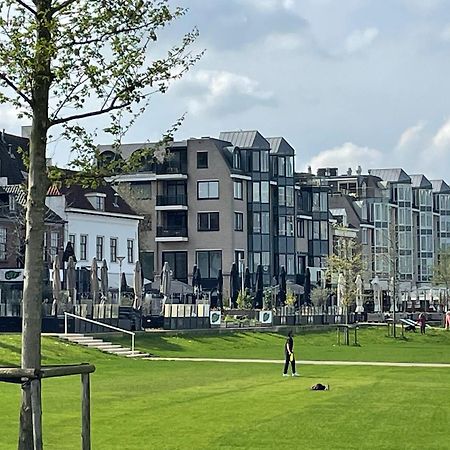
column 290, row 264
column 264, row 192
column 264, row 161
column 316, row 201
column 208, row 221
column 316, row 230
column 237, row 187
column 323, row 230
column 256, row 192
column 207, row 189
column 300, row 228
column 290, row 226
column 281, row 195
column 265, row 222
column 141, row 190
column 282, row 226
column 178, row 264
column 281, row 166
column 236, row 159
column 209, row 263
column 290, row 196
column 256, row 223
column 3, row 249
column 54, row 238
column 324, row 201
column 255, row 161
column 290, row 166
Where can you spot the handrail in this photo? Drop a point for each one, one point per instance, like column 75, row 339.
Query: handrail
column 101, row 324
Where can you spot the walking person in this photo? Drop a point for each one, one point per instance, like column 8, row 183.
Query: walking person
column 422, row 321
column 289, row 356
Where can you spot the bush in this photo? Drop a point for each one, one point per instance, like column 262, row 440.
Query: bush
column 244, row 299
column 267, row 299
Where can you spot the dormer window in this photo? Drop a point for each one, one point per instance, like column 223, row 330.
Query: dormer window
column 236, row 159
column 97, row 200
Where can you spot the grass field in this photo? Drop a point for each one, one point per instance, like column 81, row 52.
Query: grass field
column 192, row 405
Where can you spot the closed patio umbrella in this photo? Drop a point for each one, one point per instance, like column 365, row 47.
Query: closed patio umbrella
column 307, row 287
column 137, row 285
column 104, row 280
column 94, row 280
column 165, row 280
column 220, row 289
column 56, row 284
column 234, row 285
column 71, row 278
column 69, row 252
column 259, row 287
column 247, row 279
column 282, row 293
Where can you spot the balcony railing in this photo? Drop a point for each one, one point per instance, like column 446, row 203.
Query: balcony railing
column 170, row 200
column 171, row 168
column 162, row 231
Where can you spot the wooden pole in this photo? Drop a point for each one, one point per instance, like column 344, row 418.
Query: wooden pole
column 36, row 413
column 85, row 412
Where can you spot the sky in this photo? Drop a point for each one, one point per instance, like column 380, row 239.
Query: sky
column 346, row 83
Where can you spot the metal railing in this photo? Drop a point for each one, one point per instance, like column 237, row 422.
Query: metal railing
column 66, row 314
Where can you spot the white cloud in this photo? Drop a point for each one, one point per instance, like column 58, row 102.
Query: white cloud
column 345, row 156
column 360, row 39
column 269, row 5
column 284, row 41
column 441, row 140
column 411, row 135
column 223, row 92
column 445, row 33
column 8, row 118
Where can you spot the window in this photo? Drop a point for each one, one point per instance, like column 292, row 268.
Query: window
column 178, row 265
column 99, row 248
column 290, row 264
column 238, row 221
column 300, row 228
column 237, row 159
column 141, row 190
column 53, row 250
column 256, row 192
column 209, row 263
column 207, row 189
column 256, row 222
column 281, row 166
column 237, row 188
column 130, row 251
column 364, row 236
column 316, row 230
column 324, row 201
column 265, row 222
column 282, row 226
column 281, row 195
column 72, row 240
column 289, row 225
column 97, row 200
column 290, row 166
column 264, row 161
column 324, row 230
column 255, row 161
column 100, row 204
column 202, row 160
column 3, row 252
column 83, row 247
column 113, row 249
column 290, row 196
column 316, row 201
column 264, row 192
column 208, row 221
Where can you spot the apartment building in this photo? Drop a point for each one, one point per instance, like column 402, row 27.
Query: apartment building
column 213, row 202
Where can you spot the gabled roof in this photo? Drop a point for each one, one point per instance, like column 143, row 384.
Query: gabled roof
column 11, row 163
column 20, row 195
column 76, row 198
column 245, row 139
column 421, row 182
column 391, row 175
column 440, row 187
column 280, row 146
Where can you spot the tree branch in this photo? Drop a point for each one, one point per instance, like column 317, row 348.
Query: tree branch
column 27, row 7
column 62, row 5
column 15, row 88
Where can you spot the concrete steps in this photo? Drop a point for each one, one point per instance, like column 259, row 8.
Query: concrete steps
column 100, row 344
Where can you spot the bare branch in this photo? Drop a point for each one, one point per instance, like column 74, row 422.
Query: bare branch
column 27, row 7
column 62, row 6
column 15, row 88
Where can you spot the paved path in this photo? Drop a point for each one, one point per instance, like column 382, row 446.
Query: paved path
column 302, row 362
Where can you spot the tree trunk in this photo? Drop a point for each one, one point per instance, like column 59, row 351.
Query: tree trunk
column 37, row 189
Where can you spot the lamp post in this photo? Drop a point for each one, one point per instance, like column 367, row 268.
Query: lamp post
column 120, row 258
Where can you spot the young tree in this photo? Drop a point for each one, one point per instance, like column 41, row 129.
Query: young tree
column 441, row 272
column 346, row 260
column 63, row 61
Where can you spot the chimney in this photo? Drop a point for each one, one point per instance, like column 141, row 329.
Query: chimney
column 26, row 131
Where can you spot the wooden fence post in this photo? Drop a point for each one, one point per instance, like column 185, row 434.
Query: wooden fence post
column 85, row 412
column 36, row 412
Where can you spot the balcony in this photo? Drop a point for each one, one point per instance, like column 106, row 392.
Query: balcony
column 171, row 202
column 173, row 169
column 171, row 234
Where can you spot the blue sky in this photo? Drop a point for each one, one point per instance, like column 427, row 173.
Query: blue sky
column 347, row 83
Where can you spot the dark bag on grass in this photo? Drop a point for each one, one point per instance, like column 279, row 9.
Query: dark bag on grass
column 319, row 387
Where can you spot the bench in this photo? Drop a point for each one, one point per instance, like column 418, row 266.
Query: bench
column 410, row 324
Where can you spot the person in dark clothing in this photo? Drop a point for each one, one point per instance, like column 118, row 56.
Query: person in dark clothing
column 289, row 356
column 422, row 321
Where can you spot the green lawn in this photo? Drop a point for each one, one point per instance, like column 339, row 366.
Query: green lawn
column 321, row 345
column 187, row 405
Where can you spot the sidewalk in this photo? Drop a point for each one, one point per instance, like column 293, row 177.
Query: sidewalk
column 301, row 362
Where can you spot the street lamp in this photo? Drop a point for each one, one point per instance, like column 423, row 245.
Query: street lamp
column 120, row 258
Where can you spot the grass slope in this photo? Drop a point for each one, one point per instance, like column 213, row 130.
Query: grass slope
column 183, row 405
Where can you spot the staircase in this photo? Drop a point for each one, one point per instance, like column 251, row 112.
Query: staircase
column 100, row 344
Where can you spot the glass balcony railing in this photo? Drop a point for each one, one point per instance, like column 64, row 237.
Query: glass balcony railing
column 171, row 200
column 163, row 231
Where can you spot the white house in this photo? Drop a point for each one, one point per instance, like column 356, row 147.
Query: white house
column 99, row 224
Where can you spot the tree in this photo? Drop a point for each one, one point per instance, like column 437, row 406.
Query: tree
column 441, row 272
column 346, row 260
column 63, row 61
